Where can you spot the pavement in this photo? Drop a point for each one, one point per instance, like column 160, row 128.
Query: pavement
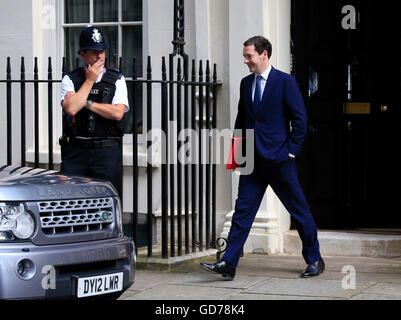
column 272, row 277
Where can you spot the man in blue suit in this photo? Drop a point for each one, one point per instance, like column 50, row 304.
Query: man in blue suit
column 271, row 104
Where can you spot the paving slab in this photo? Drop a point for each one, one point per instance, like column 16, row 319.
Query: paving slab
column 250, row 296
column 307, row 287
column 145, row 279
column 281, row 266
column 373, row 296
column 378, row 277
column 127, row 294
column 271, row 277
column 393, row 289
column 257, row 265
column 183, row 292
column 217, row 281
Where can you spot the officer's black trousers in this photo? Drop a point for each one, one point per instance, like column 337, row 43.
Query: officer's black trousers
column 103, row 163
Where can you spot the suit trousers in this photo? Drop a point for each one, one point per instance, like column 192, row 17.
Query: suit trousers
column 283, row 178
column 103, row 163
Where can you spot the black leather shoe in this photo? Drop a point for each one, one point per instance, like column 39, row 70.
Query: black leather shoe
column 313, row 269
column 222, row 267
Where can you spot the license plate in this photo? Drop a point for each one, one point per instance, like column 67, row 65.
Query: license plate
column 92, row 286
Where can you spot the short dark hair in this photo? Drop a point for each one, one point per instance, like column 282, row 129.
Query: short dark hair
column 261, row 44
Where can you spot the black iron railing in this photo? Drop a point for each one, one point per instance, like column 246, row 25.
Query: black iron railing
column 184, row 101
column 196, row 196
column 23, row 82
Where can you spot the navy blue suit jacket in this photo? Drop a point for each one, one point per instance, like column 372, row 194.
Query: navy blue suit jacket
column 282, row 108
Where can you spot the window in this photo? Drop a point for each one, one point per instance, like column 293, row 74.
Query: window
column 121, row 22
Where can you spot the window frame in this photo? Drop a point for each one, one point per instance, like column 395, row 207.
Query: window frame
column 127, row 139
column 119, row 23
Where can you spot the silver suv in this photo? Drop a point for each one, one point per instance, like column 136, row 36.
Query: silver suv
column 61, row 237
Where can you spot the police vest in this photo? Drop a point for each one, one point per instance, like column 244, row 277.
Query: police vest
column 89, row 124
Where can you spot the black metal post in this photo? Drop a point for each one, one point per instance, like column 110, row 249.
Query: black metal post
column 134, row 156
column 50, row 113
column 36, row 111
column 149, row 156
column 172, row 170
column 178, row 43
column 164, row 111
column 64, row 114
column 193, row 166
column 186, row 166
column 214, row 174
column 179, row 27
column 207, row 145
column 23, row 109
column 179, row 166
column 9, row 117
column 200, row 154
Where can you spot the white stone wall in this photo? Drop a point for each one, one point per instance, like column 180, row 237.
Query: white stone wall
column 16, row 40
column 270, row 18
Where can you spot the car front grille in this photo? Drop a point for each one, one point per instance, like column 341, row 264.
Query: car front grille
column 76, row 216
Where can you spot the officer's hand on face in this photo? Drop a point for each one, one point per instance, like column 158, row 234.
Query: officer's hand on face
column 95, row 70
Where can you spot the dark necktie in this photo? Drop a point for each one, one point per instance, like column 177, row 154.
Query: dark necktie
column 258, row 95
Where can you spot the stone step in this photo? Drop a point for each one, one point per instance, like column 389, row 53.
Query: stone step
column 384, row 244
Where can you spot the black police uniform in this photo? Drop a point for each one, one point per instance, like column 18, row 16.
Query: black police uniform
column 92, row 145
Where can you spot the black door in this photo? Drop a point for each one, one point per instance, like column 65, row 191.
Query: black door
column 346, row 58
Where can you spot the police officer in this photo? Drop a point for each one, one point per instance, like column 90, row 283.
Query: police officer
column 94, row 99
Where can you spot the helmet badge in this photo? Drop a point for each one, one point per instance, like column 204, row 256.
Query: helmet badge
column 96, row 36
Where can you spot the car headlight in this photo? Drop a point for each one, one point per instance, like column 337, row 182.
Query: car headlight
column 16, row 220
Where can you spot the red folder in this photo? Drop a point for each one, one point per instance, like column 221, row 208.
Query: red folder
column 235, row 151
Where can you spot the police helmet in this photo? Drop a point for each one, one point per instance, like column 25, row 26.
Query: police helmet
column 92, row 38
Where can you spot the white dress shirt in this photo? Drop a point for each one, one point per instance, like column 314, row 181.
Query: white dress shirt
column 263, row 81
